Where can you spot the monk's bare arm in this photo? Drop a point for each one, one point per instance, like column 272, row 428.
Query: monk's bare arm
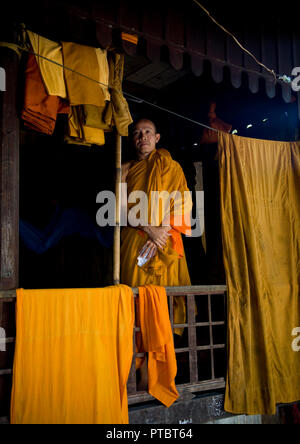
column 124, row 171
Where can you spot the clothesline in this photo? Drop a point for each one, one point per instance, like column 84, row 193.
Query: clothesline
column 138, row 99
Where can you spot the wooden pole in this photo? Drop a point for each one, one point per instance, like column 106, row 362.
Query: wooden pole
column 117, row 231
column 9, row 173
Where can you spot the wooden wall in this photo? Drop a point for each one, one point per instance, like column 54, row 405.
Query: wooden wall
column 9, row 213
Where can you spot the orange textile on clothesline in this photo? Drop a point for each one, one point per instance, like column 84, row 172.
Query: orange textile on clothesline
column 40, row 110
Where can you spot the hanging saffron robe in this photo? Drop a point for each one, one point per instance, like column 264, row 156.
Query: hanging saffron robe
column 85, row 89
column 82, row 59
column 73, row 355
column 52, row 73
column 260, row 214
column 157, row 340
column 40, row 109
column 159, row 172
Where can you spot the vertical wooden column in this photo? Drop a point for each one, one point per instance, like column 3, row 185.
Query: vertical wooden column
column 9, row 173
column 117, row 232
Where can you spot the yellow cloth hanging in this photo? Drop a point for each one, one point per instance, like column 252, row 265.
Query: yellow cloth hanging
column 101, row 55
column 260, row 209
column 169, row 267
column 82, row 90
column 98, row 117
column 80, row 133
column 52, row 74
column 73, row 355
column 120, row 110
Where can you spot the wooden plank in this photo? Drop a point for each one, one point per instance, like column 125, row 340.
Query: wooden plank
column 9, row 172
column 199, row 347
column 10, row 295
column 211, row 338
column 182, row 389
column 192, row 289
column 192, row 340
column 184, row 290
column 117, row 231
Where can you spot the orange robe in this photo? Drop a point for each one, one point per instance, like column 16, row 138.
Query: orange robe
column 73, row 355
column 169, row 267
column 40, row 109
column 157, row 340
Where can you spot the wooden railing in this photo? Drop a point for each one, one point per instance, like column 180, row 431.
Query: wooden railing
column 201, row 358
column 200, row 351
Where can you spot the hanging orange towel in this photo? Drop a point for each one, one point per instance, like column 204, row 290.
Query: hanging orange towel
column 73, row 355
column 157, row 340
column 40, row 110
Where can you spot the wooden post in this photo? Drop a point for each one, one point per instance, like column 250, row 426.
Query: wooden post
column 9, row 173
column 117, row 232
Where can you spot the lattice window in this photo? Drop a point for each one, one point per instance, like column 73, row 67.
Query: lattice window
column 201, row 350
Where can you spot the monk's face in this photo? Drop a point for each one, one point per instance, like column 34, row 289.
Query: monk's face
column 145, row 138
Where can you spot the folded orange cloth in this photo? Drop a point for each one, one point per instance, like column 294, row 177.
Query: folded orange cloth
column 40, row 110
column 157, row 338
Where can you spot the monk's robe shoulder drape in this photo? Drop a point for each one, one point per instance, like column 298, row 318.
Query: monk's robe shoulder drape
column 169, row 267
column 73, row 355
column 260, row 215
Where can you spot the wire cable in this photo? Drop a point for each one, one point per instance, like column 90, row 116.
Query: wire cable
column 236, row 41
column 138, row 99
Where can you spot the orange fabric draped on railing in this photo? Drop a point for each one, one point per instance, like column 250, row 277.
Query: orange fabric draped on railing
column 157, row 340
column 260, row 213
column 73, row 355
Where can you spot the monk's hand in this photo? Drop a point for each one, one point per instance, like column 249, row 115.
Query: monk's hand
column 159, row 235
column 149, row 249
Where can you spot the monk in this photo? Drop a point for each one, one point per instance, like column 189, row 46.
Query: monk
column 160, row 239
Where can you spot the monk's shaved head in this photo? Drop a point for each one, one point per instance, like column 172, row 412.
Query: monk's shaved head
column 144, row 137
column 144, row 120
